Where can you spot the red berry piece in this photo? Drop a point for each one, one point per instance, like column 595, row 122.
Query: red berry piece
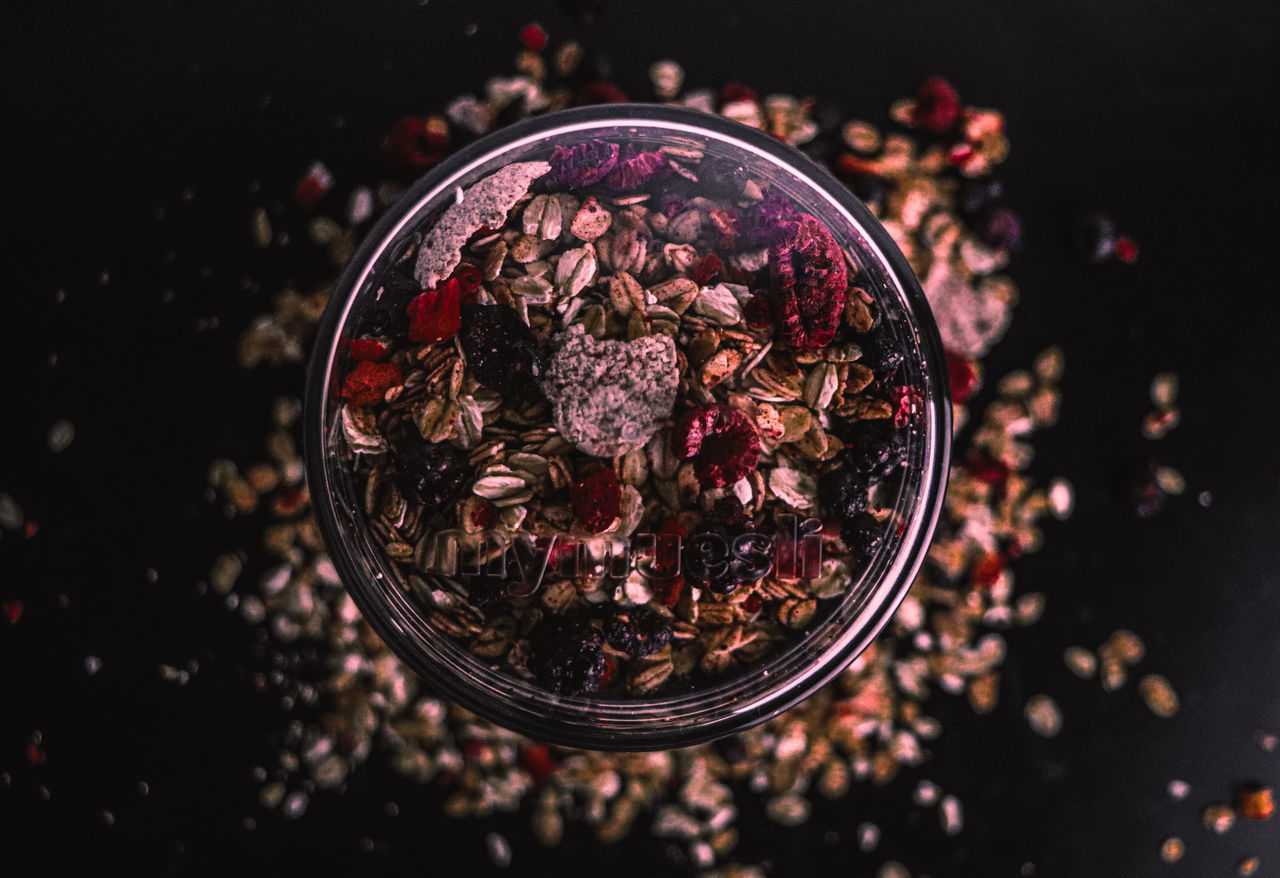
column 369, row 382
column 964, row 377
column 937, row 105
column 706, row 269
column 12, row 611
column 436, row 314
column 367, row 349
column 533, row 37
column 413, row 145
column 596, row 500
column 1126, row 250
column 600, row 93
column 635, row 168
column 721, row 440
column 584, row 163
column 809, row 283
column 468, row 277
column 988, row 569
column 313, row 186
column 485, row 516
column 537, row 760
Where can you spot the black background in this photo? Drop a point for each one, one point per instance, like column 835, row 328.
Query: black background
column 140, row 136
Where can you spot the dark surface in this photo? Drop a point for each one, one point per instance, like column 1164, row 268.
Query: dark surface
column 133, row 139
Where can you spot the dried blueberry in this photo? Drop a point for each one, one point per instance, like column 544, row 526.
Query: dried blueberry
column 723, row 556
column 873, row 449
column 567, row 656
column 862, row 535
column 881, row 353
column 638, row 632
column 843, row 492
column 433, row 472
column 501, row 350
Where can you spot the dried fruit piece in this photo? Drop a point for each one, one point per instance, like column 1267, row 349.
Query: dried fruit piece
column 722, row 441
column 567, row 656
column 1256, row 802
column 501, row 351
column 937, row 105
column 862, row 535
column 638, row 632
column 434, row 472
column 368, row 382
column 414, row 144
column 597, row 500
column 635, row 168
column 436, row 314
column 808, row 283
column 583, row 163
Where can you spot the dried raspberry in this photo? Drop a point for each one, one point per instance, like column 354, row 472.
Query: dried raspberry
column 369, row 382
column 964, row 376
column 367, row 349
column 762, row 222
column 413, row 145
column 721, row 440
column 533, row 37
column 937, row 105
column 583, row 163
column 636, row 168
column 436, row 314
column 809, row 283
column 706, row 269
column 596, row 500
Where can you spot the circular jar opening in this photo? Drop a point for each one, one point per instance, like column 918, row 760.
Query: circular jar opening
column 627, row 427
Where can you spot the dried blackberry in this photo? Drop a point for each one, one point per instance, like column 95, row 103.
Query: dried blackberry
column 567, row 656
column 387, row 315
column 862, row 535
column 501, row 350
column 880, row 352
column 843, row 492
column 433, row 472
column 873, row 450
column 638, row 632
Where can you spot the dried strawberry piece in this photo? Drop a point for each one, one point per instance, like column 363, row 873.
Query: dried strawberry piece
column 369, row 382
column 809, row 283
column 1126, row 250
column 367, row 349
column 436, row 314
column 533, row 37
column 721, row 440
column 757, row 314
column 937, row 105
column 414, row 144
column 964, row 376
column 706, row 269
column 635, row 168
column 596, row 500
column 12, row 611
column 584, row 163
column 1255, row 802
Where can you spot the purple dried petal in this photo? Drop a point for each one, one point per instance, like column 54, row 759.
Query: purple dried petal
column 765, row 221
column 584, row 163
column 635, row 168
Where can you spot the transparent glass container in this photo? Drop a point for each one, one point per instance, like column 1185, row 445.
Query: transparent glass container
column 699, row 708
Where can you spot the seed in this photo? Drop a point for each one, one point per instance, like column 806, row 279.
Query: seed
column 1044, row 716
column 1081, row 662
column 1218, row 817
column 1158, row 695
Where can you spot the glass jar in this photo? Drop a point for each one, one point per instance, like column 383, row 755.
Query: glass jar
column 442, row 622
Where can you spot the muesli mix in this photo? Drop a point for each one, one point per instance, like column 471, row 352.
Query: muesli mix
column 626, row 417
